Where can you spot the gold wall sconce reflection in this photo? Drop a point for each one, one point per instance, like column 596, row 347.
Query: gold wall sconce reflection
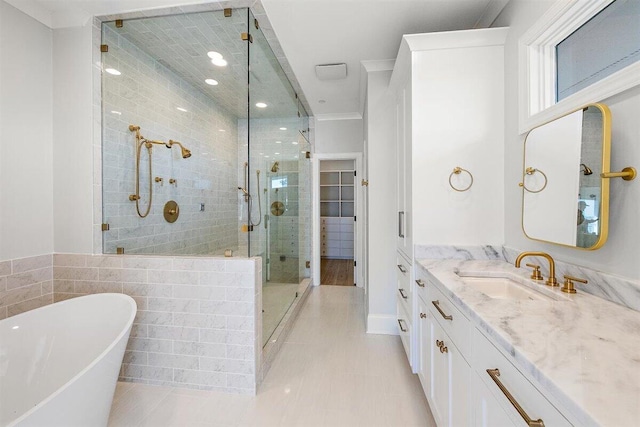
column 457, row 171
column 531, row 171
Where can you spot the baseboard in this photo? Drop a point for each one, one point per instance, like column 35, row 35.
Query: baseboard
column 382, row 324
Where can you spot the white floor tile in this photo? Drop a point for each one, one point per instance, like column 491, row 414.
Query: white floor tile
column 329, row 372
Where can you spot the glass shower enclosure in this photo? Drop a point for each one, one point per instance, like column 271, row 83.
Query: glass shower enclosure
column 205, row 147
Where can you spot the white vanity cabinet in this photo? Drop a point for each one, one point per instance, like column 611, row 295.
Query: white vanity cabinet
column 442, row 368
column 510, row 388
column 468, row 381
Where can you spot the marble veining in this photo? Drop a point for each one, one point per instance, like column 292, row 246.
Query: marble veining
column 583, row 350
column 617, row 289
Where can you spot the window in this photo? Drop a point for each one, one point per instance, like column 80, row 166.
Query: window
column 580, row 51
column 608, row 42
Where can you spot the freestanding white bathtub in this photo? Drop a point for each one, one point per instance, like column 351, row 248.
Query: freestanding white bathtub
column 59, row 364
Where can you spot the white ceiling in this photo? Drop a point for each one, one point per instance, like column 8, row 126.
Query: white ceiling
column 312, row 32
column 315, row 32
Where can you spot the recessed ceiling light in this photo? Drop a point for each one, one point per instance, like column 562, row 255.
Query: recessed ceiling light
column 116, row 112
column 219, row 62
column 278, row 142
column 276, row 153
column 261, row 105
column 266, row 157
column 221, row 130
column 211, row 82
column 214, row 55
column 283, row 128
column 294, row 142
column 15, row 327
column 181, row 109
column 321, row 101
column 303, row 152
column 113, row 71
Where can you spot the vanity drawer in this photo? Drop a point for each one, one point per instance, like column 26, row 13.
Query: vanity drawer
column 454, row 323
column 533, row 402
column 404, row 327
column 405, row 290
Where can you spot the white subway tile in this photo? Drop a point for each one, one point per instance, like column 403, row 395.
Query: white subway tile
column 31, row 263
column 69, row 260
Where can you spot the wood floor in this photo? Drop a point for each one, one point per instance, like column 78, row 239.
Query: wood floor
column 336, row 272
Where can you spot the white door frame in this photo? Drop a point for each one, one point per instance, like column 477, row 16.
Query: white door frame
column 358, row 250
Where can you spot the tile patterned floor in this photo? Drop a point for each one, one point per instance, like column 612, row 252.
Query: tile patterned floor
column 329, row 373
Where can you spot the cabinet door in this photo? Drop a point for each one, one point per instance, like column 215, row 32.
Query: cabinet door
column 423, row 337
column 400, row 171
column 439, row 371
column 450, row 381
column 487, row 410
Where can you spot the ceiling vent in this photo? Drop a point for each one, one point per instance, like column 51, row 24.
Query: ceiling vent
column 331, row 71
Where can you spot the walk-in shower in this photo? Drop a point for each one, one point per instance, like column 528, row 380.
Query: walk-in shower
column 210, row 84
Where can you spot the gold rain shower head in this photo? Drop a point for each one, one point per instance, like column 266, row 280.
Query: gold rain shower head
column 186, row 153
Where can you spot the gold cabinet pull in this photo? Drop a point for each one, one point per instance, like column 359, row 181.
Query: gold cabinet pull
column 420, row 283
column 494, row 374
column 423, row 315
column 436, row 304
column 401, row 328
column 444, row 349
column 401, row 268
column 402, row 293
column 628, row 174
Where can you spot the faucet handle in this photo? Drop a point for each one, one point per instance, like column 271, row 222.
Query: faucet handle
column 535, row 274
column 568, row 284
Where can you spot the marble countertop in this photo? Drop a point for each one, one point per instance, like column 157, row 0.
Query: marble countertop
column 585, row 351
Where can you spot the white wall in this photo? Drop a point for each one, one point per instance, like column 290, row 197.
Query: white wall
column 339, row 136
column 621, row 253
column 381, row 220
column 73, row 140
column 26, row 110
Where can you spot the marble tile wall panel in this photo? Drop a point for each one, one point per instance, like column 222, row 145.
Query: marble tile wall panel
column 198, row 320
column 25, row 284
column 148, row 94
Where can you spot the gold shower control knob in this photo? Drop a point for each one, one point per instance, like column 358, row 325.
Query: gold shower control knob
column 171, row 211
column 134, row 197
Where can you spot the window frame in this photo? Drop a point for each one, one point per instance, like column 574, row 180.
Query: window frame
column 537, row 65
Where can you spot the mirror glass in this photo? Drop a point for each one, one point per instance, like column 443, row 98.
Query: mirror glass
column 564, row 199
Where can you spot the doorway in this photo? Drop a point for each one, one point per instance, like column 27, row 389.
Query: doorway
column 337, row 222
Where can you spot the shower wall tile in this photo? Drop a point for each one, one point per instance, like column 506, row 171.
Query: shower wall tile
column 196, row 322
column 25, row 284
column 147, row 94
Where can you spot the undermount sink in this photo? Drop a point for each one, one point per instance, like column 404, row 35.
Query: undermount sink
column 504, row 287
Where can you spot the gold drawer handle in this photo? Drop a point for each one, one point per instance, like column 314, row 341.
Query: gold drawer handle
column 402, row 293
column 436, row 304
column 401, row 328
column 423, row 315
column 441, row 346
column 494, row 374
column 401, row 268
column 420, row 283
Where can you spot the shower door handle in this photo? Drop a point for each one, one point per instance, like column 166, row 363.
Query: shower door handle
column 401, row 224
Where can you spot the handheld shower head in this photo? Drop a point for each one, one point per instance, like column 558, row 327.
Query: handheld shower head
column 275, row 167
column 244, row 192
column 185, row 153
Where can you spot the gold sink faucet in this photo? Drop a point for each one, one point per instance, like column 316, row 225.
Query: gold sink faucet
column 551, row 281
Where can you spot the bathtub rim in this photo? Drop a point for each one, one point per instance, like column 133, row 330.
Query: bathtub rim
column 109, row 348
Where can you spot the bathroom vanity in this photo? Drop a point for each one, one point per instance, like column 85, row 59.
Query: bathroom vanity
column 496, row 348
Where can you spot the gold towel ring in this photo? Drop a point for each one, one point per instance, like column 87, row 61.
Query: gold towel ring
column 457, row 171
column 531, row 171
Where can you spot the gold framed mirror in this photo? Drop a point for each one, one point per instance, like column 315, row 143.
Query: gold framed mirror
column 565, row 200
